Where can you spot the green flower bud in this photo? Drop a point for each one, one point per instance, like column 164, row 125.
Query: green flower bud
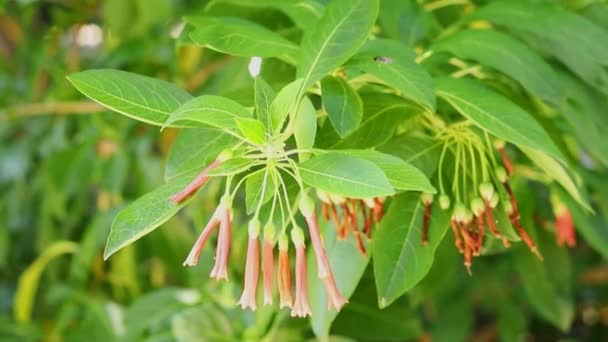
column 501, row 174
column 426, row 198
column 460, row 212
column 477, row 206
column 486, row 190
column 297, row 236
column 269, row 231
column 494, row 201
column 499, row 143
column 254, row 228
column 468, row 216
column 444, row 202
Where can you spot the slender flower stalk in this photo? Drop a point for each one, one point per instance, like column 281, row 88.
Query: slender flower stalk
column 268, row 262
column 284, row 273
column 252, row 268
column 301, row 307
column 220, row 269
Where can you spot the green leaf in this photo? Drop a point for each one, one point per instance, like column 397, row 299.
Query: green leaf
column 232, row 166
column 408, row 78
column 264, row 96
column 348, row 266
column 284, row 105
column 341, row 31
column 304, row 13
column 208, row 110
column 400, row 259
column 568, row 37
column 253, row 190
column 240, row 37
column 496, row 114
column 400, row 174
column 420, row 151
column 139, row 97
column 345, row 175
column 252, row 130
column 508, row 55
column 558, row 173
column 305, row 127
column 342, row 104
column 145, row 214
column 388, row 48
column 195, row 148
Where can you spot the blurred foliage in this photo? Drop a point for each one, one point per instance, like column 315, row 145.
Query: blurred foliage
column 68, row 165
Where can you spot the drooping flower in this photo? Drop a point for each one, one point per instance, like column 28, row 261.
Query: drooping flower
column 252, row 266
column 200, row 179
column 268, row 262
column 220, row 269
column 565, row 233
column 301, row 307
column 195, row 252
column 284, row 273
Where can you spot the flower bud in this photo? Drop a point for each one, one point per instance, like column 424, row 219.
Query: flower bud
column 307, row 205
column 297, row 236
column 486, row 190
column 444, row 202
column 508, row 208
column 499, row 143
column 426, row 198
column 460, row 212
column 494, row 201
column 501, row 174
column 477, row 206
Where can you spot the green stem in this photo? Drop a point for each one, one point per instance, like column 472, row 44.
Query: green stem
column 440, row 173
column 455, row 183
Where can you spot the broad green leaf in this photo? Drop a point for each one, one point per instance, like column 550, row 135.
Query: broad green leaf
column 568, row 37
column 508, row 55
column 408, row 78
column 342, row 104
column 406, row 21
column 252, row 130
column 558, row 173
column 496, row 114
column 381, row 115
column 232, row 166
column 139, row 97
column 194, row 148
column 345, row 175
column 284, row 105
column 392, row 50
column 254, row 186
column 400, row 259
column 204, row 322
column 240, row 37
column 511, row 322
column 420, row 151
column 304, row 13
column 455, row 319
column 348, row 266
column 305, row 127
column 264, row 96
column 400, row 174
column 145, row 214
column 342, row 30
column 590, row 227
column 208, row 110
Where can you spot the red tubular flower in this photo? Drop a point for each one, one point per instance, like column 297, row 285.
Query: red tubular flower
column 198, row 181
column 300, row 308
column 220, row 269
column 564, row 227
column 252, row 268
column 268, row 262
column 195, row 252
column 284, row 277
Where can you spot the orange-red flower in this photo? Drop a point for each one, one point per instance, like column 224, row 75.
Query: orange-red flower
column 301, row 307
column 284, row 273
column 252, row 266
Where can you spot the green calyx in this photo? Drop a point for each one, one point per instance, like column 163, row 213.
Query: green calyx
column 444, row 202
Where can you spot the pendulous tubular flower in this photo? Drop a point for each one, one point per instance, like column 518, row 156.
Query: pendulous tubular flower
column 335, row 300
column 565, row 234
column 252, row 266
column 220, row 269
column 195, row 252
column 200, row 179
column 268, row 262
column 301, row 307
column 284, row 273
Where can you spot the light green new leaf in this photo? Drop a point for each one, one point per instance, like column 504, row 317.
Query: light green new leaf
column 345, row 175
column 400, row 174
column 232, row 166
column 558, row 173
column 305, row 127
column 253, row 190
column 139, row 97
column 195, row 148
column 341, row 31
column 348, row 266
column 496, row 114
column 264, row 96
column 252, row 130
column 145, row 214
column 342, row 104
column 400, row 259
column 408, row 78
column 508, row 55
column 284, row 105
column 240, row 37
column 208, row 110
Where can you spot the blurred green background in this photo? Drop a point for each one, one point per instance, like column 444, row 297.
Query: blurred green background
column 67, row 166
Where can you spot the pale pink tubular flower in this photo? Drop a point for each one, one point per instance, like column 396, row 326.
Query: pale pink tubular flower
column 334, row 297
column 220, row 269
column 268, row 262
column 284, row 271
column 300, row 308
column 195, row 252
column 200, row 179
column 252, row 268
